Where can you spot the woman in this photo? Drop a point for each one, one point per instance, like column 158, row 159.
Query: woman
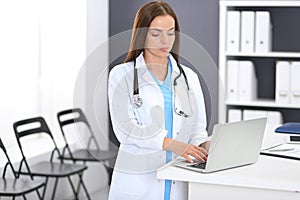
column 158, row 117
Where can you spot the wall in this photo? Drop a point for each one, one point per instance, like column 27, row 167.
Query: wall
column 44, row 46
column 94, row 78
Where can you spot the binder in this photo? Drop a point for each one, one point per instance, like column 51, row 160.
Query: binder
column 283, row 79
column 247, row 31
column 274, row 119
column 232, row 80
column 233, row 31
column 263, row 31
column 295, row 83
column 254, row 114
column 234, row 115
column 247, row 81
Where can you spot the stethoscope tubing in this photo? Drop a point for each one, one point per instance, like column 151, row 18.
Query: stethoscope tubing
column 137, row 101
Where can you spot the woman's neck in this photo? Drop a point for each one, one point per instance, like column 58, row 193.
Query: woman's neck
column 158, row 66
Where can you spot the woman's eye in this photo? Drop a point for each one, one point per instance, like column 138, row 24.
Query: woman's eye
column 171, row 33
column 154, row 34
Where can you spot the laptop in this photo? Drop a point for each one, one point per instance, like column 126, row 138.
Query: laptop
column 232, row 145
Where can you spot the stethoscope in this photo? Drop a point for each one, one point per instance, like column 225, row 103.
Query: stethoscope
column 137, row 101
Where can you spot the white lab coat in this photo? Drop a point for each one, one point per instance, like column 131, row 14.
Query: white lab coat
column 141, row 132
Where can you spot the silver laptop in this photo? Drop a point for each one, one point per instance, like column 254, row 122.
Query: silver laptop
column 232, row 145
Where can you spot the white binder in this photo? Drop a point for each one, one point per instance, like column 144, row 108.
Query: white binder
column 254, row 114
column 247, row 81
column 234, row 115
column 263, row 32
column 232, row 80
column 233, row 31
column 275, row 117
column 295, row 83
column 282, row 88
column 247, row 31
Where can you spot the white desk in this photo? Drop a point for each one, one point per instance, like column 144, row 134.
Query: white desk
column 270, row 178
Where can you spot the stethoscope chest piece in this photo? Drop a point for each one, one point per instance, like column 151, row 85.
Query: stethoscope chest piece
column 137, row 101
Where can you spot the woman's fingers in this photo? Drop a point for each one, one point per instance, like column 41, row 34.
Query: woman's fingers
column 202, row 150
column 187, row 157
column 197, row 152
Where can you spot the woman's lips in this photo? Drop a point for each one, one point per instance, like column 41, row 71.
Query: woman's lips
column 165, row 49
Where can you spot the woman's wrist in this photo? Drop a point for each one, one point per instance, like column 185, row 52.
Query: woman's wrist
column 167, row 143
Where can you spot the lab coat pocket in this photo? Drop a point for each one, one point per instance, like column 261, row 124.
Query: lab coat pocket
column 128, row 185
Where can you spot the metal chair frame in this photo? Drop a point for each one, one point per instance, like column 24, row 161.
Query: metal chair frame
column 14, row 187
column 58, row 170
column 88, row 154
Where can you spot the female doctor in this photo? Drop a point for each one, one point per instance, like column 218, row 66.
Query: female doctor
column 157, row 109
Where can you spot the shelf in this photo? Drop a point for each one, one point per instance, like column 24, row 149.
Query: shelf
column 259, row 3
column 261, row 103
column 267, row 54
column 283, row 48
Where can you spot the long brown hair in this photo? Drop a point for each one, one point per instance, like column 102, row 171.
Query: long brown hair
column 142, row 21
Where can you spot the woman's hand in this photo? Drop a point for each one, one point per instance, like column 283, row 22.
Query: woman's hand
column 185, row 150
column 205, row 145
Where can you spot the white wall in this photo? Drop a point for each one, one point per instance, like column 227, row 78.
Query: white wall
column 19, row 67
column 96, row 84
column 44, row 47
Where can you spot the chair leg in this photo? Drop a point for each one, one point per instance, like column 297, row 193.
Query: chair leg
column 38, row 194
column 54, row 189
column 83, row 185
column 73, row 188
column 78, row 186
column 24, row 197
column 45, row 187
column 109, row 171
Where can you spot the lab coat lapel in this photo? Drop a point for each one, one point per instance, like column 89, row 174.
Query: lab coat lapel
column 144, row 72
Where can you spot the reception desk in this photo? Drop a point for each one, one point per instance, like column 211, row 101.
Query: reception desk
column 269, row 178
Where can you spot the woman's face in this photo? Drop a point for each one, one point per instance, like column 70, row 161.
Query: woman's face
column 161, row 36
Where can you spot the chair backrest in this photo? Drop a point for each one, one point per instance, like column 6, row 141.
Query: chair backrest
column 8, row 163
column 73, row 116
column 21, row 131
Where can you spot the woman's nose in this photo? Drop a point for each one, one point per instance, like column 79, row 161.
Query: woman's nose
column 164, row 38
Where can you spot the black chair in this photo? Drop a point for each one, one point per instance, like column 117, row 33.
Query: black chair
column 47, row 169
column 88, row 154
column 14, row 187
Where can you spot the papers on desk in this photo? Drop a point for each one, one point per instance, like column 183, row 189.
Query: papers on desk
column 290, row 151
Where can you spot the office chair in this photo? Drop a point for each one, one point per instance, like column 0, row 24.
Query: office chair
column 47, row 169
column 88, row 154
column 14, row 187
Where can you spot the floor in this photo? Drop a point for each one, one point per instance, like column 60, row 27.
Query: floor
column 100, row 194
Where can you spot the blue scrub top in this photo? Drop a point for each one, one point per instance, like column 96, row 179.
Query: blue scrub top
column 166, row 89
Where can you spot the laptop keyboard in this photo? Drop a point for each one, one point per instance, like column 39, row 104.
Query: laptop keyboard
column 199, row 165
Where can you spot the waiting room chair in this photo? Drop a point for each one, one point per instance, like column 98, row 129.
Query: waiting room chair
column 47, row 169
column 88, row 154
column 14, row 187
